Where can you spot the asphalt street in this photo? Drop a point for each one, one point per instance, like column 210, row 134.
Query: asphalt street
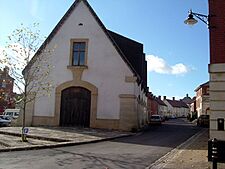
column 135, row 152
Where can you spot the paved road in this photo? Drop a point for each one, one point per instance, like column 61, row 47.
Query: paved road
column 136, row 152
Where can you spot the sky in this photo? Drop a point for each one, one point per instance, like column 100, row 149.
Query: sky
column 177, row 54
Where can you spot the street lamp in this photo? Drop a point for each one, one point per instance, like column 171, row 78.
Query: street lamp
column 191, row 20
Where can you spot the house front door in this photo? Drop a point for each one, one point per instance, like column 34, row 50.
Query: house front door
column 75, row 107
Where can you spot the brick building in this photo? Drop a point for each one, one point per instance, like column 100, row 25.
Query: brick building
column 152, row 104
column 6, row 90
column 202, row 99
column 217, row 66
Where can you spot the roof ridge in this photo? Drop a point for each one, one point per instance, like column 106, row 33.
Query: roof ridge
column 177, row 103
column 64, row 18
column 125, row 37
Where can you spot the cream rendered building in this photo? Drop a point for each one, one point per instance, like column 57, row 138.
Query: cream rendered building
column 99, row 77
column 162, row 107
column 176, row 108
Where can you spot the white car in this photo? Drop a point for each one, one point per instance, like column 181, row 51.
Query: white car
column 156, row 119
column 13, row 113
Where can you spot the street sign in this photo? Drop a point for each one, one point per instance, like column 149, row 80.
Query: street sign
column 25, row 130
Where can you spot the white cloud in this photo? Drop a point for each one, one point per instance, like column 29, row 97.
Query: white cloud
column 159, row 65
column 179, row 69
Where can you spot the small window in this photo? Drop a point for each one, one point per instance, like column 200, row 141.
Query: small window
column 4, row 84
column 78, row 54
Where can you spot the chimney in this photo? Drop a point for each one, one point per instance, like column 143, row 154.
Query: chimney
column 186, row 95
column 159, row 97
column 173, row 98
column 164, row 97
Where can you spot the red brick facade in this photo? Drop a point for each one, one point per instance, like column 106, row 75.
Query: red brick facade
column 153, row 104
column 217, row 33
column 6, row 90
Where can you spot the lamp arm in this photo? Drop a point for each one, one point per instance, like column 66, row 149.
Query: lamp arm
column 203, row 18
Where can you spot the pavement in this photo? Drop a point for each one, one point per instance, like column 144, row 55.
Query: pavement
column 50, row 137
column 193, row 153
column 190, row 154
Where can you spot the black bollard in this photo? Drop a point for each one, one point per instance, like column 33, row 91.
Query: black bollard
column 214, row 153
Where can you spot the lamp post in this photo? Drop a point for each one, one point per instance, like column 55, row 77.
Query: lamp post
column 191, row 20
column 205, row 19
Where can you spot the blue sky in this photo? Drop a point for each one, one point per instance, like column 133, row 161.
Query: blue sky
column 177, row 54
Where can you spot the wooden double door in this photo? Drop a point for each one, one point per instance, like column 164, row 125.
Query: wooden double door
column 75, row 107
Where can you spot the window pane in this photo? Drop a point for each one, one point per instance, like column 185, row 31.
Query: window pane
column 75, row 46
column 82, row 58
column 79, row 53
column 75, row 58
column 82, row 46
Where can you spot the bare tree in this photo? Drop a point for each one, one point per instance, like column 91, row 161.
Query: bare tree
column 29, row 65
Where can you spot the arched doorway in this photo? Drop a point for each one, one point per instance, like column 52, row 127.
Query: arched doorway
column 75, row 107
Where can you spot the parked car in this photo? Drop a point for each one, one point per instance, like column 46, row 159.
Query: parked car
column 5, row 121
column 156, row 119
column 13, row 113
column 173, row 116
column 203, row 120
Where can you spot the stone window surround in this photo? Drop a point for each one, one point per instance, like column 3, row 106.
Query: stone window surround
column 71, row 50
column 77, row 70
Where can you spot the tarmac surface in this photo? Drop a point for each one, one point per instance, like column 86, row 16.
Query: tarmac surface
column 190, row 154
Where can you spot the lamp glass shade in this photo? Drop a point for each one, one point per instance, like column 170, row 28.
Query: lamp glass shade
column 190, row 20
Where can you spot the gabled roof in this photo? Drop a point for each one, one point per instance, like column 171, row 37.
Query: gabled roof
column 160, row 102
column 187, row 100
column 130, row 51
column 202, row 85
column 177, row 103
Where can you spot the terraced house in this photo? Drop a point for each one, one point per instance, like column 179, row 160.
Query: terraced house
column 99, row 77
column 176, row 108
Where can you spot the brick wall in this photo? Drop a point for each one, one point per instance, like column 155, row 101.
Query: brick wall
column 217, row 31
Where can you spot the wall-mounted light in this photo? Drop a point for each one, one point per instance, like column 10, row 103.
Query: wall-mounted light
column 191, row 20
